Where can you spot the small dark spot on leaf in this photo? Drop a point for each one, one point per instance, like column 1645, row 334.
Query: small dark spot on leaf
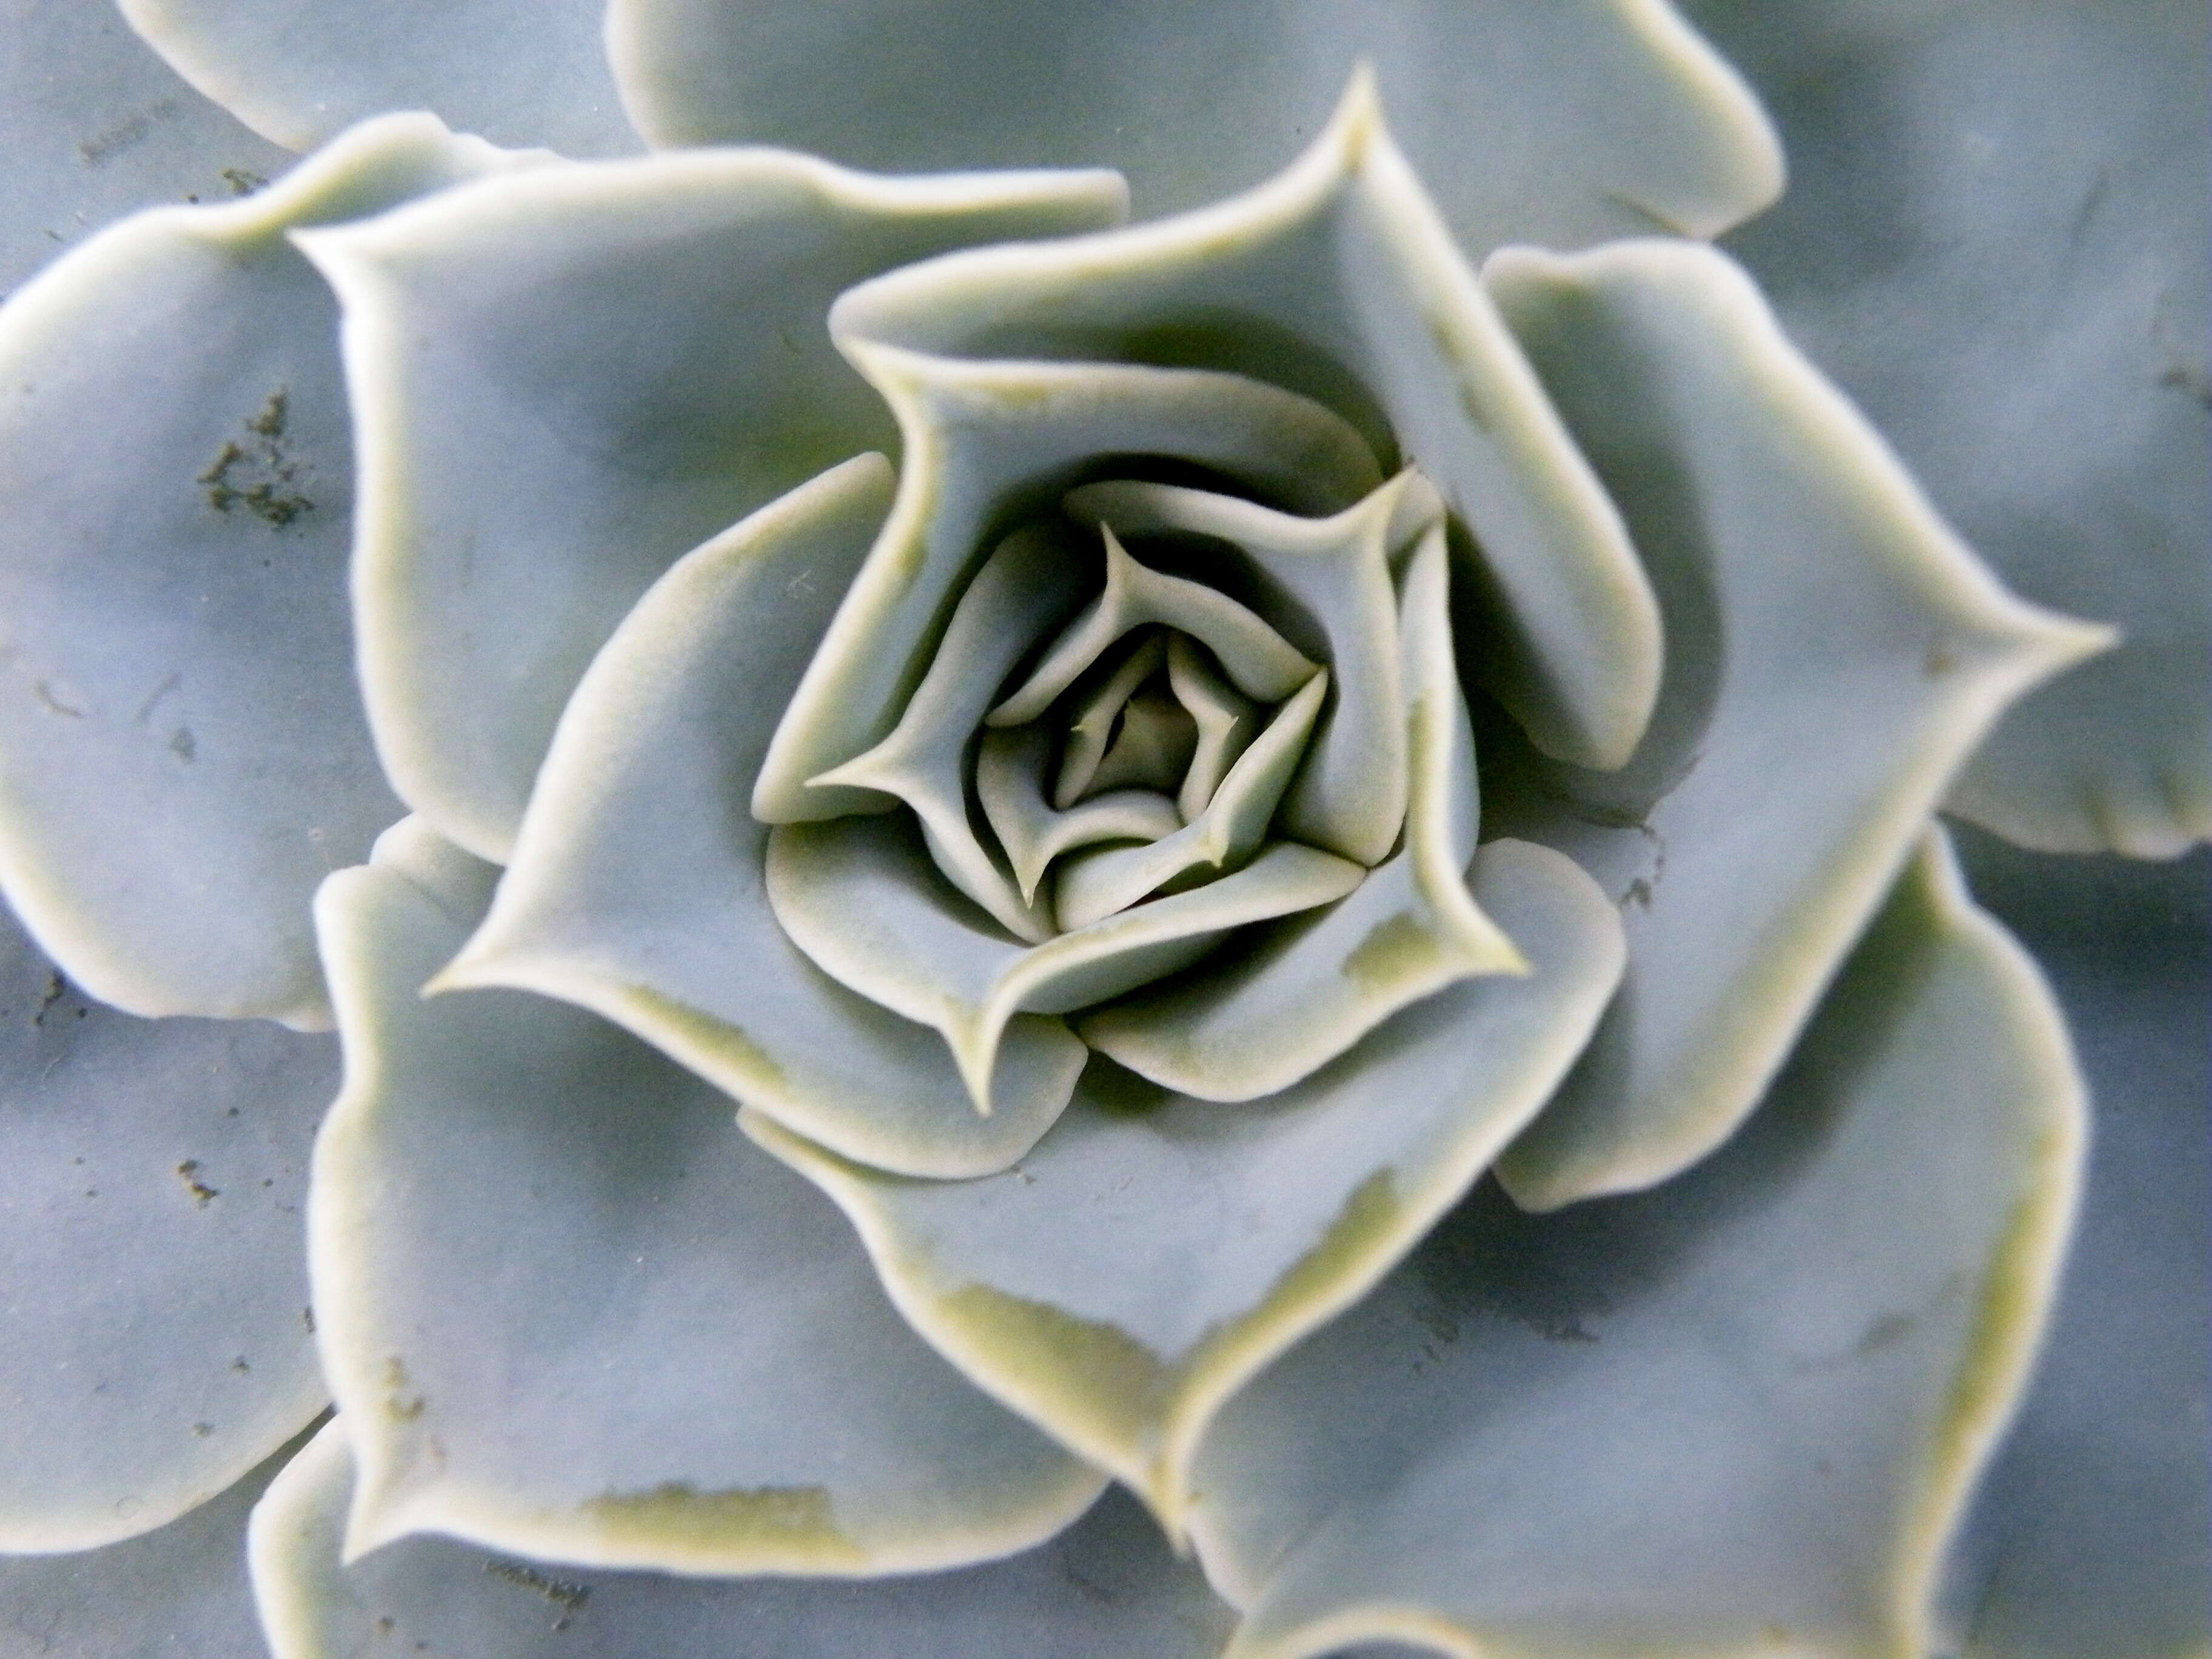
column 202, row 1194
column 565, row 1593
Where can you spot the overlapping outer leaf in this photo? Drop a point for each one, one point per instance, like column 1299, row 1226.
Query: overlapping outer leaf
column 154, row 1338
column 1107, row 1584
column 177, row 1590
column 1563, row 122
column 298, row 73
column 1738, row 1413
column 562, row 383
column 174, row 788
column 1833, row 653
column 567, row 1310
column 2092, row 1537
column 1994, row 239
column 95, row 126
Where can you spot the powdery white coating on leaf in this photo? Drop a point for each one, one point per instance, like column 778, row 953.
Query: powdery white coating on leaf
column 1834, row 653
column 95, row 125
column 1106, row 1585
column 859, row 897
column 1154, row 1251
column 179, row 1589
column 1561, row 124
column 1742, row 1410
column 519, row 1212
column 981, row 441
column 2092, row 1534
column 1337, row 279
column 637, row 889
column 1996, row 242
column 175, row 455
column 1303, row 991
column 155, row 1340
column 560, row 384
column 296, row 72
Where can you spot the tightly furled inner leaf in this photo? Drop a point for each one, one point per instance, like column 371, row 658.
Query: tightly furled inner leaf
column 1127, row 759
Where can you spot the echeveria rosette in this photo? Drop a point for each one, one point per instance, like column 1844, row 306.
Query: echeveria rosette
column 501, row 1406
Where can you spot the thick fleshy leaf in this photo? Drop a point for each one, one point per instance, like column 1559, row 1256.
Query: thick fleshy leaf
column 154, row 1338
column 520, row 1212
column 1833, row 654
column 1349, row 800
column 2092, row 1537
column 1225, row 719
column 182, row 753
column 862, row 898
column 1031, row 582
column 1092, row 886
column 987, row 444
column 562, row 383
column 181, row 1589
column 636, row 889
column 94, row 126
column 1562, row 123
column 1337, row 279
column 1010, row 786
column 1303, row 991
column 1264, row 666
column 298, row 72
column 1739, row 1412
column 1106, row 1585
column 1154, row 1251
column 1994, row 239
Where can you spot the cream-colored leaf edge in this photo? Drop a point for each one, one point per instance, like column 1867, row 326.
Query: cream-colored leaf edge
column 672, row 1536
column 1365, row 1239
column 2006, row 646
column 359, row 261
column 1354, row 156
column 1993, row 1372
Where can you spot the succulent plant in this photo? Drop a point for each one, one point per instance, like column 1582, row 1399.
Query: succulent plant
column 1294, row 987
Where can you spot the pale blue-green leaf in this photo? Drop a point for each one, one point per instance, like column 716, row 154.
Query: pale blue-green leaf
column 1226, row 719
column 563, row 382
column 636, row 889
column 1833, row 653
column 989, row 444
column 154, row 1338
column 1107, row 1585
column 1094, row 885
column 181, row 1590
column 1299, row 993
column 1031, row 582
column 860, row 897
column 1010, row 768
column 1564, row 123
column 1994, row 239
column 1335, row 573
column 298, row 71
column 1153, row 1251
column 182, row 753
column 1737, row 1414
column 95, row 125
column 1264, row 666
column 2092, row 1538
column 520, row 1212
column 1337, row 279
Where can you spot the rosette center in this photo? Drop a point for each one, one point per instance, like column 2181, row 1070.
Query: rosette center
column 1147, row 726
